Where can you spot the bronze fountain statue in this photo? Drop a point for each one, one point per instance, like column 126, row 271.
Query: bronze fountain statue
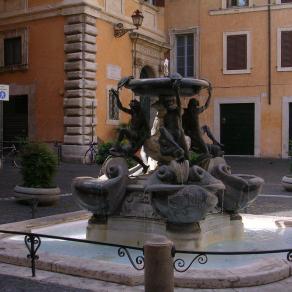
column 177, row 193
column 137, row 132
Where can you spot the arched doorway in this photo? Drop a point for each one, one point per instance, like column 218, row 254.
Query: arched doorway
column 147, row 72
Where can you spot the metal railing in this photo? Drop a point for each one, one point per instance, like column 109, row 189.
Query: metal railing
column 33, row 243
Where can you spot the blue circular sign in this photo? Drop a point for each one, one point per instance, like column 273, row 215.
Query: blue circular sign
column 2, row 94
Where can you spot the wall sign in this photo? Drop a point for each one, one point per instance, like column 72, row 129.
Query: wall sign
column 113, row 72
column 4, row 92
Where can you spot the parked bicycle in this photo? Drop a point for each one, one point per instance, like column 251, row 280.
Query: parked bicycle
column 10, row 156
column 90, row 154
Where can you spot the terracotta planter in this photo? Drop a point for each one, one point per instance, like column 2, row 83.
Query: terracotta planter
column 45, row 196
column 287, row 182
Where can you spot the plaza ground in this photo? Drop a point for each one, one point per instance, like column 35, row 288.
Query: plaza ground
column 272, row 201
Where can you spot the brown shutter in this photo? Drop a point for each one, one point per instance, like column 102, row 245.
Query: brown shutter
column 237, row 52
column 286, row 49
column 160, row 3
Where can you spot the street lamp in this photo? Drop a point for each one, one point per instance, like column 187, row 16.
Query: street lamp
column 137, row 18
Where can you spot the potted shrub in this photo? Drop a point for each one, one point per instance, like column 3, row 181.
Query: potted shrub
column 38, row 166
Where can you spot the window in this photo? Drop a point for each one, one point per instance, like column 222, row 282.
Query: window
column 112, row 109
column 185, row 55
column 237, row 3
column 160, row 3
column 285, row 49
column 286, row 1
column 236, row 50
column 12, row 5
column 13, row 50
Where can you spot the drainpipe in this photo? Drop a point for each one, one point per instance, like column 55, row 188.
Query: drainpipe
column 134, row 54
column 269, row 54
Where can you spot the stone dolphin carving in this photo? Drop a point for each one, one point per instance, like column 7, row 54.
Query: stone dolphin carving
column 103, row 195
column 240, row 189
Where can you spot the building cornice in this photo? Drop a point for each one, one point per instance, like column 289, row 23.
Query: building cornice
column 71, row 7
column 149, row 40
column 254, row 8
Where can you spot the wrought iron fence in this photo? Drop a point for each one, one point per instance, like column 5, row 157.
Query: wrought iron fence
column 33, row 243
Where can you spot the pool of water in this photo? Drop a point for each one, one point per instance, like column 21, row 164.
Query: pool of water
column 260, row 233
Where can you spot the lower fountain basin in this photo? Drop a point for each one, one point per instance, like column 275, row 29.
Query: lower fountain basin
column 103, row 262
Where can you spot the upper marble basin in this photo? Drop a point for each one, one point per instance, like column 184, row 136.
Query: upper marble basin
column 164, row 86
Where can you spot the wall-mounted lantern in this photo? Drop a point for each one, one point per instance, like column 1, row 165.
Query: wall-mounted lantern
column 137, row 18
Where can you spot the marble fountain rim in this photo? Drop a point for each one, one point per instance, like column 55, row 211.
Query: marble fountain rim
column 263, row 272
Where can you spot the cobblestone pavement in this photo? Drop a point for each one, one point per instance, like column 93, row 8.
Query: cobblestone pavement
column 16, row 284
column 11, row 211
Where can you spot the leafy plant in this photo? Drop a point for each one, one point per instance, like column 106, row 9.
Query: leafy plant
column 38, row 165
column 194, row 156
column 103, row 152
column 131, row 162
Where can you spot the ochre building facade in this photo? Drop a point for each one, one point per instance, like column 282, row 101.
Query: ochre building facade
column 60, row 58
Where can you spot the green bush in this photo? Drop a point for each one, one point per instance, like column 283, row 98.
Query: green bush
column 38, row 165
column 193, row 158
column 103, row 152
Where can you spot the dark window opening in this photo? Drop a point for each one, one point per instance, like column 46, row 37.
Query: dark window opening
column 237, row 3
column 15, row 118
column 286, row 1
column 12, row 51
column 185, row 55
column 159, row 3
column 236, row 52
column 286, row 49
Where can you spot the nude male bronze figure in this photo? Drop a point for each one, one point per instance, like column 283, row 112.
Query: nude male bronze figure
column 191, row 124
column 136, row 133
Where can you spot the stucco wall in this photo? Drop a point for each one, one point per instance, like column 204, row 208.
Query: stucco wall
column 45, row 74
column 110, row 51
column 239, row 86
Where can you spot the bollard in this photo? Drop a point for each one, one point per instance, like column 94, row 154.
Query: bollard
column 159, row 275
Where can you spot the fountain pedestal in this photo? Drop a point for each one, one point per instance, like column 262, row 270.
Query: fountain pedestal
column 136, row 231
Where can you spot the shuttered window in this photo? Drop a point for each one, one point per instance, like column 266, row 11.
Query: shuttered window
column 185, row 55
column 286, row 1
column 286, row 48
column 159, row 3
column 236, row 54
column 12, row 51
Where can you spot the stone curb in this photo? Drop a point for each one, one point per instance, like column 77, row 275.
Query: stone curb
column 264, row 272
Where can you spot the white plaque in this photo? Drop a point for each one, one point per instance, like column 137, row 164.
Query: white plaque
column 113, row 72
column 4, row 92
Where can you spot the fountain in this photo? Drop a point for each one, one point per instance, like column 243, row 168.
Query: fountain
column 193, row 205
